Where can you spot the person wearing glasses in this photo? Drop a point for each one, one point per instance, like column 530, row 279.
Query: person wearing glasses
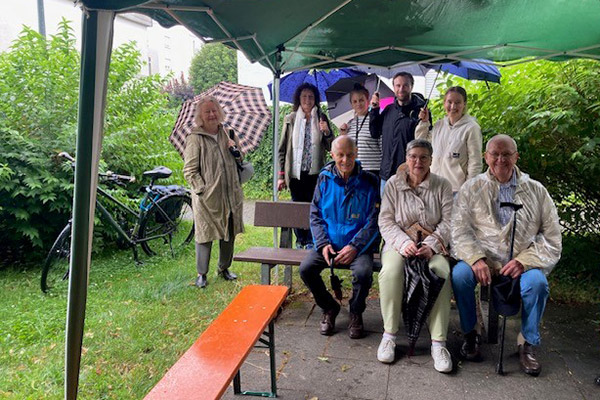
column 481, row 235
column 456, row 139
column 415, row 196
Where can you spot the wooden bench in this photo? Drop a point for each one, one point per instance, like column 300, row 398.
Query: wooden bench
column 207, row 368
column 286, row 215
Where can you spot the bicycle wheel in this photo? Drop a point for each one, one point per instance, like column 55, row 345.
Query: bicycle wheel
column 56, row 267
column 169, row 224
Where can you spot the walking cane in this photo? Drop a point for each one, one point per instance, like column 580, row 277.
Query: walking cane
column 515, row 207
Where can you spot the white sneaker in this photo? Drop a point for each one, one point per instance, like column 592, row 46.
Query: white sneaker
column 386, row 353
column 442, row 361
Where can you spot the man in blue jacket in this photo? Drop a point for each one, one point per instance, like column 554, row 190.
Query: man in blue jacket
column 343, row 221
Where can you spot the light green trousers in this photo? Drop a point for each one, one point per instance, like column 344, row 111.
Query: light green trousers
column 391, row 289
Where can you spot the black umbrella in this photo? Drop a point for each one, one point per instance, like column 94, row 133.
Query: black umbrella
column 421, row 289
column 338, row 95
column 506, row 291
column 336, row 282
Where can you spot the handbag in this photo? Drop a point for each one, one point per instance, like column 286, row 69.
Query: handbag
column 245, row 168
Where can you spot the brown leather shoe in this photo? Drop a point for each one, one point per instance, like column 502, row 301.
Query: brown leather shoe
column 356, row 328
column 529, row 364
column 471, row 347
column 328, row 320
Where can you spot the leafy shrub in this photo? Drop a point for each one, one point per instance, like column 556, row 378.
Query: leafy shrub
column 38, row 115
column 178, row 90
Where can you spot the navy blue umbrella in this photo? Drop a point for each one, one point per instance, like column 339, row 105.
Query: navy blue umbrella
column 321, row 79
column 472, row 70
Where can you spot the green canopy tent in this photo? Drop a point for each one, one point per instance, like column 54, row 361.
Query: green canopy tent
column 286, row 36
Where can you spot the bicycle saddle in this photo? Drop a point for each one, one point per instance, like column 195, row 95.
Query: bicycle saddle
column 159, row 173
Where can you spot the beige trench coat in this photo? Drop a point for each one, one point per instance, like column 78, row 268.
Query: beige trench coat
column 476, row 232
column 211, row 171
column 429, row 204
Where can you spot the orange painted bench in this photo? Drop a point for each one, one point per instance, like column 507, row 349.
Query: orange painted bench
column 207, row 368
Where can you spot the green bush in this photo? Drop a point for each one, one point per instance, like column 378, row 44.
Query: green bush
column 38, row 115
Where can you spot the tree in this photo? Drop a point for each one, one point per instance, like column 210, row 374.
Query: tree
column 214, row 63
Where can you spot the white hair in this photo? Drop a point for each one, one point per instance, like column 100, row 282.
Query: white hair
column 501, row 137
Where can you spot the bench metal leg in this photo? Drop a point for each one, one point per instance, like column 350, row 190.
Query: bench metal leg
column 265, row 273
column 269, row 342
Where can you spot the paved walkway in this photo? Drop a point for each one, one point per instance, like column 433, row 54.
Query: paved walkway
column 315, row 367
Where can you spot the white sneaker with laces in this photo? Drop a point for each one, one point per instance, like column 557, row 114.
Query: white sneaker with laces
column 442, row 361
column 386, row 351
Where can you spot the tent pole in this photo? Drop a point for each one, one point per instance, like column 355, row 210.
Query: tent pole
column 276, row 81
column 97, row 32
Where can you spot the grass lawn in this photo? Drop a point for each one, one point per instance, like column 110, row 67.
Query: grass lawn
column 139, row 321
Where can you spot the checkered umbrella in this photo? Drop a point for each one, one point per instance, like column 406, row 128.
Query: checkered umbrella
column 246, row 112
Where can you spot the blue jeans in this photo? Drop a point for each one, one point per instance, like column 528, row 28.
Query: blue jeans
column 534, row 293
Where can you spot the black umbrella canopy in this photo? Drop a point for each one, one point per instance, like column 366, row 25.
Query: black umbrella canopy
column 338, row 95
column 421, row 290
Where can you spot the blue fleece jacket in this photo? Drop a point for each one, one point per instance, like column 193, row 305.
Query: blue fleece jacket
column 345, row 212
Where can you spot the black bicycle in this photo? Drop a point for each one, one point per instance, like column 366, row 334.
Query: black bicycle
column 163, row 222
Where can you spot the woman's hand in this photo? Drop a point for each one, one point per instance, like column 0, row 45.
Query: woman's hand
column 281, row 184
column 323, row 127
column 410, row 250
column 344, row 129
column 375, row 100
column 425, row 252
column 231, row 143
column 424, row 114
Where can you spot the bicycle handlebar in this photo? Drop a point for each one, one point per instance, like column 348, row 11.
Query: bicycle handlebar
column 108, row 175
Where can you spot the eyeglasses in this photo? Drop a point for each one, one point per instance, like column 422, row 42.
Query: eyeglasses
column 413, row 158
column 505, row 156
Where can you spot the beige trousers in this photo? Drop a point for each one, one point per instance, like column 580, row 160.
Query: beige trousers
column 391, row 288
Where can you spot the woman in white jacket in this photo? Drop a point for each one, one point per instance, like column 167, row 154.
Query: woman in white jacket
column 456, row 140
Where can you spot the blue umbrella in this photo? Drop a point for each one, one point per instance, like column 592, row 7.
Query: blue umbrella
column 472, row 70
column 321, row 79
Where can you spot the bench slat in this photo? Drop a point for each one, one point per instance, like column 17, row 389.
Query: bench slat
column 205, row 370
column 282, row 214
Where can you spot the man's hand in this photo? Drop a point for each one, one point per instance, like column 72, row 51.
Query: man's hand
column 410, row 250
column 323, row 127
column 513, row 268
column 281, row 184
column 375, row 100
column 327, row 252
column 425, row 251
column 344, row 129
column 424, row 114
column 346, row 255
column 482, row 272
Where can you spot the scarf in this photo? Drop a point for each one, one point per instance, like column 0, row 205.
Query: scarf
column 298, row 140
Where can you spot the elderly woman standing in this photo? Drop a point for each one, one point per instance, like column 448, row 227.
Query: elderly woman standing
column 409, row 197
column 305, row 139
column 456, row 140
column 217, row 198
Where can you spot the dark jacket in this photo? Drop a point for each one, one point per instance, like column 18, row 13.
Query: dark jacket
column 396, row 125
column 346, row 212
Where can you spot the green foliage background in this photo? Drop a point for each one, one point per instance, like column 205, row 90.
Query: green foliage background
column 38, row 115
column 214, row 63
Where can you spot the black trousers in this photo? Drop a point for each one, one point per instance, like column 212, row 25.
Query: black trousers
column 303, row 189
column 362, row 279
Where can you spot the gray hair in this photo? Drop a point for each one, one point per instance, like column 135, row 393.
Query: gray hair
column 220, row 113
column 501, row 137
column 422, row 143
